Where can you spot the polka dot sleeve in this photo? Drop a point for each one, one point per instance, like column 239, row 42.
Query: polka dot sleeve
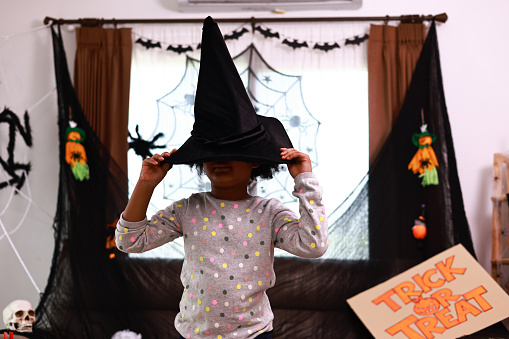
column 306, row 236
column 144, row 235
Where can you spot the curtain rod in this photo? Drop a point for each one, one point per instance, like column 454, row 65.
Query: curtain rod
column 91, row 22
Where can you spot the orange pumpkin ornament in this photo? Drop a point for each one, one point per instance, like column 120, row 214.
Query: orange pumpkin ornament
column 110, row 239
column 419, row 229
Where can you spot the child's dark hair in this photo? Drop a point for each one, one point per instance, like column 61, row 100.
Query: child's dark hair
column 264, row 171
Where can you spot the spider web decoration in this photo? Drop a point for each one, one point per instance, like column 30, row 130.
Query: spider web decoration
column 272, row 93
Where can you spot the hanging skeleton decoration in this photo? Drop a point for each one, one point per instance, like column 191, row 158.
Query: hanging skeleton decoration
column 19, row 316
column 9, row 165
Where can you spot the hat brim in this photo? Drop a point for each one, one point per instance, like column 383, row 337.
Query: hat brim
column 266, row 151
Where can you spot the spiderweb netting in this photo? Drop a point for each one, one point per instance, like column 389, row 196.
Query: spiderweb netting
column 273, row 94
column 27, row 186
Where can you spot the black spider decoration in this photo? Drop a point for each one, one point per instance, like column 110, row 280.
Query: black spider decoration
column 143, row 147
column 10, row 166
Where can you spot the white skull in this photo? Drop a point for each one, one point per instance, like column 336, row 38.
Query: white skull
column 19, row 316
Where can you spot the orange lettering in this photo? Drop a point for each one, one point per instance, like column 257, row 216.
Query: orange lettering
column 476, row 294
column 428, row 325
column 447, row 271
column 404, row 327
column 425, row 281
column 426, row 277
column 386, row 298
column 443, row 295
column 463, row 308
column 405, row 290
column 443, row 316
column 418, row 279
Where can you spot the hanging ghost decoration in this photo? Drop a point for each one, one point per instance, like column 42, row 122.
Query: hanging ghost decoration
column 425, row 160
column 75, row 154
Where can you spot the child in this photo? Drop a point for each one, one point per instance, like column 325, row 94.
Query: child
column 229, row 235
column 229, row 239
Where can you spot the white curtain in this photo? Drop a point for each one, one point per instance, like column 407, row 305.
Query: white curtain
column 333, row 86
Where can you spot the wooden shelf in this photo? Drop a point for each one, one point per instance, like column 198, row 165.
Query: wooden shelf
column 504, row 261
column 501, row 189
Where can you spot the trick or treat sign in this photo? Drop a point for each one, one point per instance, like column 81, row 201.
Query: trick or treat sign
column 447, row 296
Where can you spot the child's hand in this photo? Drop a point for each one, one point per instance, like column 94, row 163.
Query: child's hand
column 152, row 172
column 302, row 161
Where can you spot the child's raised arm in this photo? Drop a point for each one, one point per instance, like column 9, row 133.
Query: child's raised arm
column 306, row 236
column 152, row 173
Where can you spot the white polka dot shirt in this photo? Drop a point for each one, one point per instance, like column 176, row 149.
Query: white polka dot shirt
column 229, row 254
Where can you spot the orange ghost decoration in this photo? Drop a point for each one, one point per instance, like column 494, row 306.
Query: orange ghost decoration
column 75, row 154
column 425, row 160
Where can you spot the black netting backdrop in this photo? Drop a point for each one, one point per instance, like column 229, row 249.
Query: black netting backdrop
column 90, row 295
column 402, row 190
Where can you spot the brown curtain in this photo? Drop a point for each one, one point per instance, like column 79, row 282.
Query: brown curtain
column 392, row 55
column 101, row 80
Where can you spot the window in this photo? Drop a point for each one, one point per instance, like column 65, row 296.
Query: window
column 322, row 102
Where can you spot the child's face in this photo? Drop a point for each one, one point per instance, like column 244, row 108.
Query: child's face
column 225, row 174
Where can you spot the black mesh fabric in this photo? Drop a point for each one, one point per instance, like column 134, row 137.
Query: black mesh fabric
column 89, row 295
column 396, row 194
column 83, row 280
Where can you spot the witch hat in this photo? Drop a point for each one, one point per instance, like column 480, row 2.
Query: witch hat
column 226, row 126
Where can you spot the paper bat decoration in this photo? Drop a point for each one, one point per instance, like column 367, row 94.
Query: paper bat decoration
column 357, row 40
column 236, row 34
column 295, row 44
column 9, row 165
column 266, row 32
column 179, row 49
column 326, row 47
column 148, row 44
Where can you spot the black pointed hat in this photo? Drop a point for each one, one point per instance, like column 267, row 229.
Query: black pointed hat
column 226, row 126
